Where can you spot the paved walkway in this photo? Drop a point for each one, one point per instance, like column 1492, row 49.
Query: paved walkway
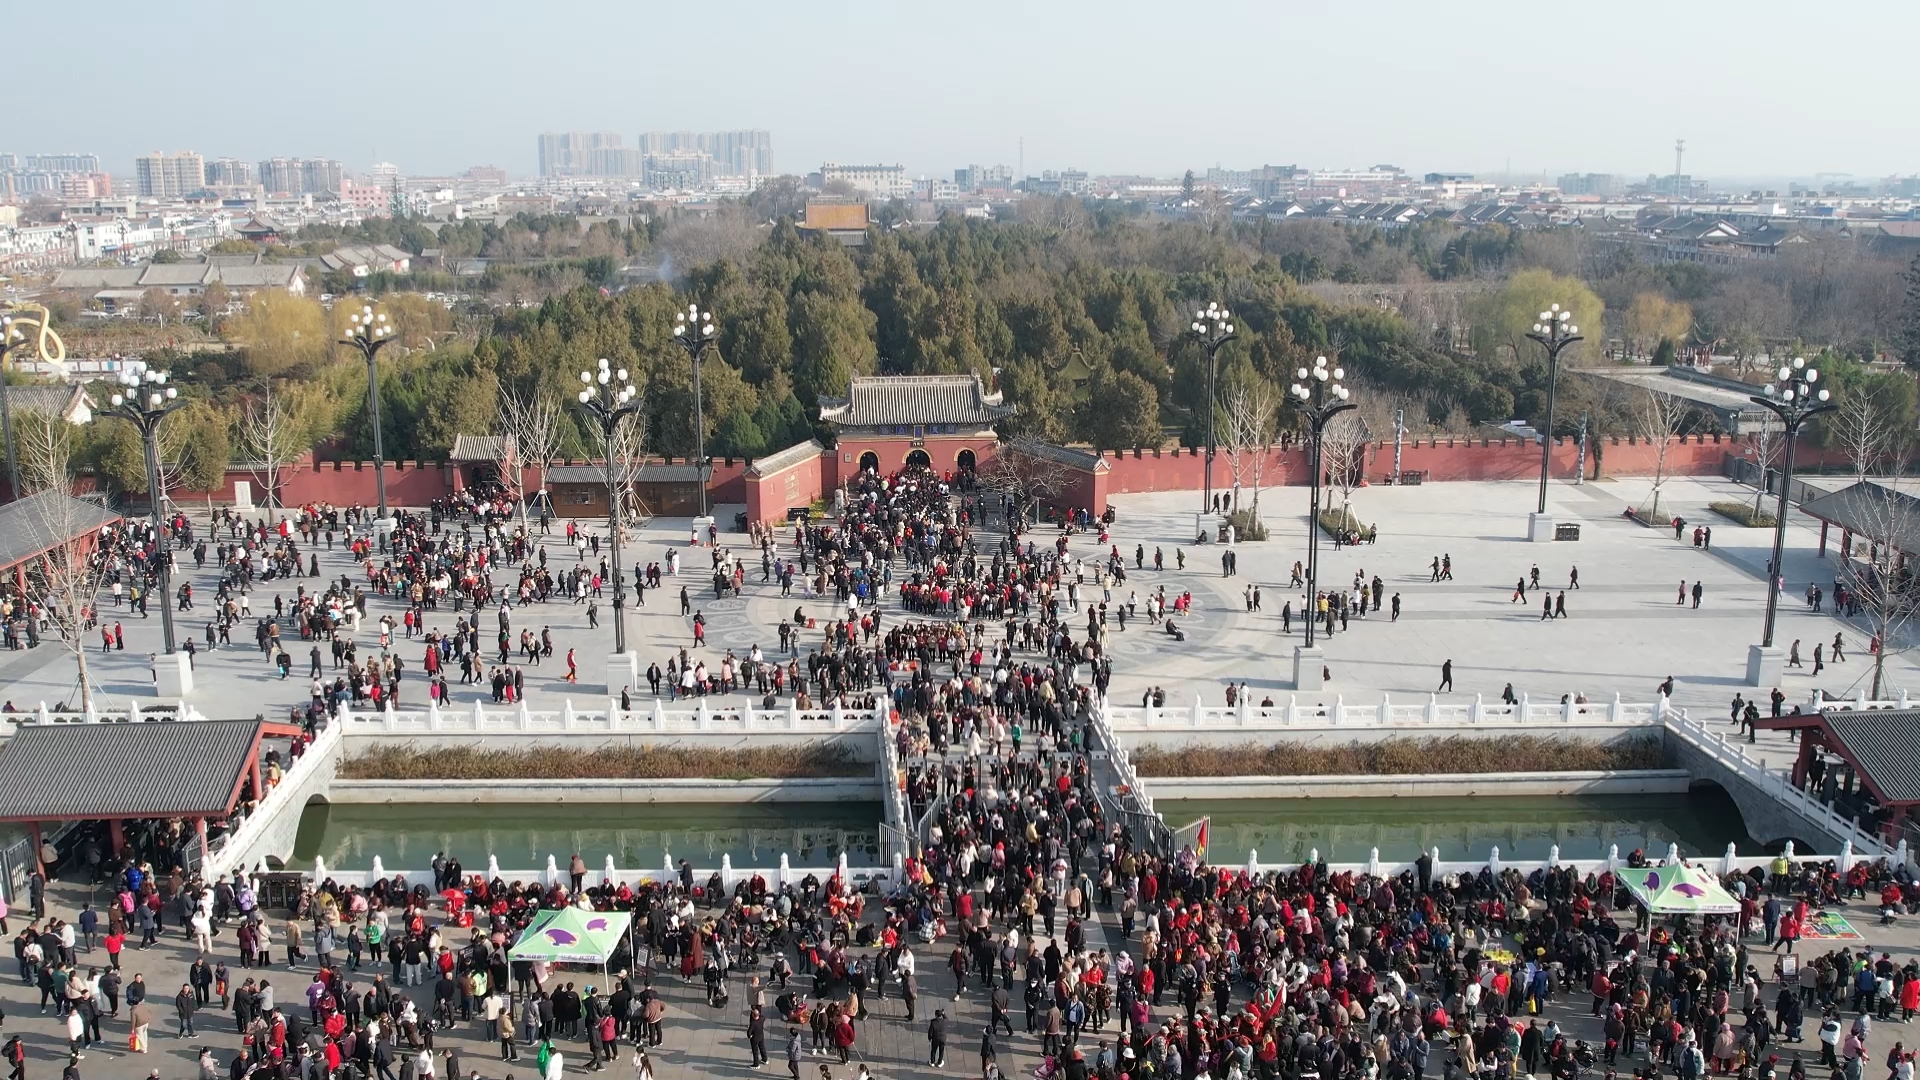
column 700, row 1041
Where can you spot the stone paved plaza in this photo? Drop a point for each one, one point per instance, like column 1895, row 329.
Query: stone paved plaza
column 700, row 1041
column 1624, row 634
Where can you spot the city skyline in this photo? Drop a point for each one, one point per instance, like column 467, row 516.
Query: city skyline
column 1122, row 93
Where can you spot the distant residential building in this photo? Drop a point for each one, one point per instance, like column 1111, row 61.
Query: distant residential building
column 1229, row 179
column 564, row 153
column 486, row 174
column 1273, row 181
column 682, row 170
column 375, row 197
column 1064, row 182
column 734, row 153
column 1603, row 185
column 232, row 173
column 301, row 176
column 615, row 161
column 86, row 186
column 874, row 181
column 59, row 163
column 1378, row 174
column 936, row 191
column 321, row 175
column 522, row 202
column 978, row 177
column 166, row 176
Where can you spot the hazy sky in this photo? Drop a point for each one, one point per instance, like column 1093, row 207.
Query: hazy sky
column 1756, row 87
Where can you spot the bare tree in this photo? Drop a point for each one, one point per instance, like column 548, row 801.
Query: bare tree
column 529, row 435
column 1864, row 431
column 1024, row 470
column 1659, row 420
column 1880, row 588
column 269, row 439
column 1343, row 456
column 1250, row 410
column 67, row 575
column 629, row 457
column 1764, row 444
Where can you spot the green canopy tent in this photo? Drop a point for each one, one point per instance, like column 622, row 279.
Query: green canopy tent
column 572, row 935
column 1679, row 889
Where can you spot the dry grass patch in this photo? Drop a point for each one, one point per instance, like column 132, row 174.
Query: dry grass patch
column 1455, row 755
column 411, row 762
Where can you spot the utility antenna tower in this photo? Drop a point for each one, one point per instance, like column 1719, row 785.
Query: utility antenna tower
column 1679, row 151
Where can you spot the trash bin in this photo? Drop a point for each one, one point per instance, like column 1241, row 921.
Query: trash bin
column 1566, row 530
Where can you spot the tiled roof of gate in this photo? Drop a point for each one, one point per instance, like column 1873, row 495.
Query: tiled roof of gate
column 893, row 400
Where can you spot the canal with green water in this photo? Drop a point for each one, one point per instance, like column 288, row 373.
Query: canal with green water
column 1466, row 829
column 405, row 837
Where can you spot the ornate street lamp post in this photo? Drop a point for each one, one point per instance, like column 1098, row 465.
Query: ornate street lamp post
column 369, row 335
column 693, row 331
column 1795, row 399
column 1555, row 331
column 1320, row 395
column 607, row 400
column 144, row 399
column 1213, row 328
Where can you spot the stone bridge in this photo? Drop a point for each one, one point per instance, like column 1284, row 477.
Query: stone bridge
column 1774, row 810
column 268, row 833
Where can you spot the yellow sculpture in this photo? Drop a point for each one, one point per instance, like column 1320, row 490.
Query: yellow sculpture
column 25, row 322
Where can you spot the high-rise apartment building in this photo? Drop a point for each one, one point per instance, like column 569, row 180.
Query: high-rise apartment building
column 565, row 153
column 167, row 176
column 301, row 176
column 231, row 173
column 734, row 153
column 320, row 175
column 280, row 176
column 61, row 163
column 615, row 161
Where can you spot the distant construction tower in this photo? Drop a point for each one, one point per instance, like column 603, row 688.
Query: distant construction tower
column 1679, row 151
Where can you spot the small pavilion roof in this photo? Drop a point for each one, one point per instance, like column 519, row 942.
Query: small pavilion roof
column 1876, row 511
column 1884, row 744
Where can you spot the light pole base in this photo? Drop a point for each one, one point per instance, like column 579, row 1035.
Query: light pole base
column 172, row 675
column 1765, row 665
column 623, row 672
column 1309, row 667
column 1540, row 528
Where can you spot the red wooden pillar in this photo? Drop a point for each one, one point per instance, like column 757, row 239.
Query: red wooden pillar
column 116, row 836
column 1804, row 758
column 34, row 828
column 200, row 827
column 259, row 787
column 1823, row 539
